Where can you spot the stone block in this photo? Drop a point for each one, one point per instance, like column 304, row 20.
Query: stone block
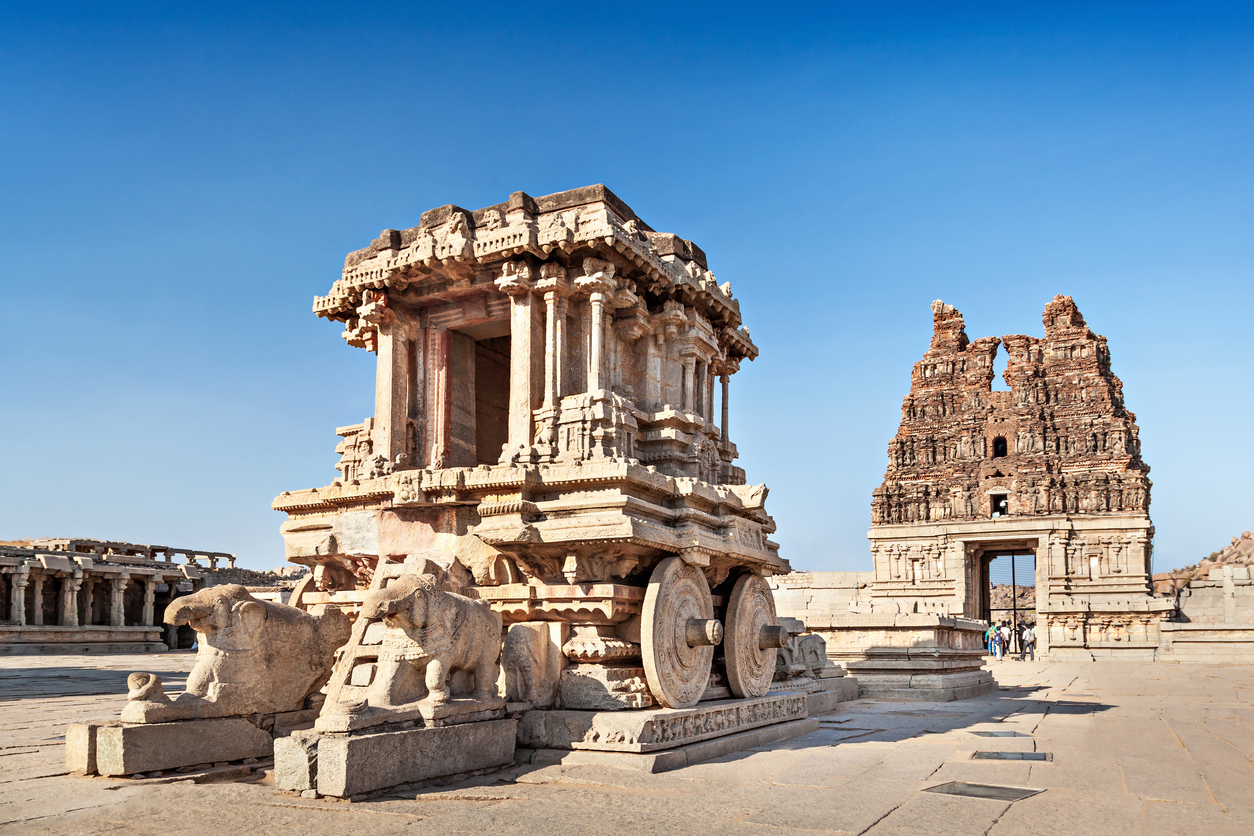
column 679, row 757
column 656, row 729
column 146, row 747
column 346, row 765
column 80, row 748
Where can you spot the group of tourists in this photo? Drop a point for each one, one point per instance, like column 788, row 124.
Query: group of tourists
column 1000, row 637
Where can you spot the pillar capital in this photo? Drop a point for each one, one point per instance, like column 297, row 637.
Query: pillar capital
column 515, row 278
column 598, row 277
column 552, row 281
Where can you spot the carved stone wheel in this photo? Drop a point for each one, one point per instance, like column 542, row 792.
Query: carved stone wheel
column 752, row 638
column 676, row 671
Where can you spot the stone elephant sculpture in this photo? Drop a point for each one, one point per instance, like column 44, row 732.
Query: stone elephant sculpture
column 254, row 657
column 437, row 645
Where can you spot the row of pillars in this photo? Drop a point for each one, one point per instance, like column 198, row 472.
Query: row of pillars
column 400, row 380
column 68, row 603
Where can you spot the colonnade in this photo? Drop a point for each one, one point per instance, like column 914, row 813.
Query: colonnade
column 69, row 611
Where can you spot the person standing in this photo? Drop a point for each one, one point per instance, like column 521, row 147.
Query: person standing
column 1004, row 635
column 1029, row 640
column 990, row 639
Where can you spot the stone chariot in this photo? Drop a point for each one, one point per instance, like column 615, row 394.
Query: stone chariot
column 545, row 433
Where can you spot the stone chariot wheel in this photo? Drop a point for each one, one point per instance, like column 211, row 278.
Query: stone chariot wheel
column 678, row 633
column 753, row 637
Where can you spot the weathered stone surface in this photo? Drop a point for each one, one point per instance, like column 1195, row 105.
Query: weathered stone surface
column 80, row 748
column 679, row 757
column 417, row 652
column 913, row 657
column 358, row 763
column 532, row 661
column 654, row 729
column 255, row 657
column 1051, row 468
column 144, row 747
column 545, row 427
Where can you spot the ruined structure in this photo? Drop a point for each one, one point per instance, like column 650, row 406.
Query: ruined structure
column 1052, row 467
column 81, row 596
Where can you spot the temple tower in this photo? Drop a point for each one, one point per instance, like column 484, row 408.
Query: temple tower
column 1051, row 468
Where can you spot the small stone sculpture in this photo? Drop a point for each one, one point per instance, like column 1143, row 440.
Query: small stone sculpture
column 436, row 646
column 255, row 657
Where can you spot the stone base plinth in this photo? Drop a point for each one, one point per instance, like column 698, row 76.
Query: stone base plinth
column 30, row 640
column 676, row 758
column 655, row 729
column 1222, row 643
column 909, row 656
column 150, row 747
column 822, row 694
column 344, row 765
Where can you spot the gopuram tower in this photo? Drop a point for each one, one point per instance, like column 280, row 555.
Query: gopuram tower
column 545, row 438
column 1051, row 468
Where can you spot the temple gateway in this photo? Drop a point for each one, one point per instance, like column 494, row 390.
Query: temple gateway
column 1049, row 472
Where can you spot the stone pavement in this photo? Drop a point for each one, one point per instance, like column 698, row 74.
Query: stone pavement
column 1138, row 748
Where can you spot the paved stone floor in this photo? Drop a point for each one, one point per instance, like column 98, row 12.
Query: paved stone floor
column 1137, row 749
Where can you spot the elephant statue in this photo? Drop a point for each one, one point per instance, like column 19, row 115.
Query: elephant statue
column 418, row 652
column 254, row 657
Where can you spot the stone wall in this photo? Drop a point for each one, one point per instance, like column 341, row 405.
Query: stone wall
column 1225, row 597
column 804, row 595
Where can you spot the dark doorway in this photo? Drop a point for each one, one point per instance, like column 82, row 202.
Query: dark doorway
column 491, row 398
column 999, row 447
column 999, row 504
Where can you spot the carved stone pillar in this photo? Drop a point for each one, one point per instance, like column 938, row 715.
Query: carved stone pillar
column 390, row 397
column 17, row 601
column 87, row 617
column 117, row 606
column 37, row 617
column 688, row 396
column 725, row 380
column 150, row 595
column 597, row 282
column 69, row 599
column 517, row 283
column 553, row 285
column 439, row 433
column 708, row 393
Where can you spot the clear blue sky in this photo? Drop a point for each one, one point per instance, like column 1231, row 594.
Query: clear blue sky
column 178, row 183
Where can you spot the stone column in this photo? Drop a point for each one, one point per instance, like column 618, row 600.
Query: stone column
column 688, row 396
column 391, row 400
column 555, row 348
column 150, row 595
column 553, row 285
column 725, row 380
column 516, row 281
column 439, row 434
column 17, row 603
column 653, row 371
column 69, row 599
column 37, row 617
column 117, row 606
column 708, row 394
column 598, row 281
column 89, row 593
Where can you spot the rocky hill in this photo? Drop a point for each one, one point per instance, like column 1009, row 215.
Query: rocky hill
column 1240, row 552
